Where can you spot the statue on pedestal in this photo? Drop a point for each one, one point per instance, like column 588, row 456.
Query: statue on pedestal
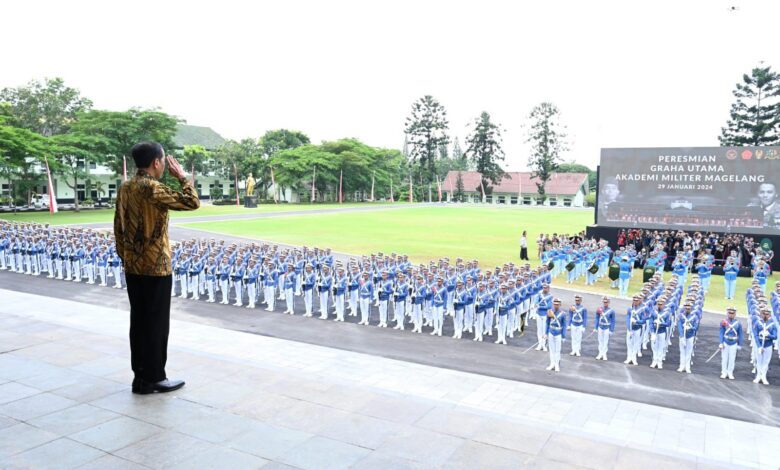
column 250, row 185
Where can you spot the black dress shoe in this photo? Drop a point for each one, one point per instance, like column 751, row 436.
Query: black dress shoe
column 143, row 387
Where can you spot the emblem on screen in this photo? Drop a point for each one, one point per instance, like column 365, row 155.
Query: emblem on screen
column 747, row 154
column 731, row 154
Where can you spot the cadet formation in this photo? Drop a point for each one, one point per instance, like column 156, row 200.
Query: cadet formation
column 389, row 290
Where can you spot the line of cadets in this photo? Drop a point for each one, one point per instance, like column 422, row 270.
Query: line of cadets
column 71, row 254
column 478, row 303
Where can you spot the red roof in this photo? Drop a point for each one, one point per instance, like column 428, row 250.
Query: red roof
column 563, row 184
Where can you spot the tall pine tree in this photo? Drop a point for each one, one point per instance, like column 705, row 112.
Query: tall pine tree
column 547, row 137
column 485, row 152
column 426, row 130
column 755, row 115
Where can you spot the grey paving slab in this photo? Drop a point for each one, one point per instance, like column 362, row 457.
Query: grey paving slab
column 379, row 461
column 21, row 437
column 213, row 426
column 420, row 445
column 395, row 409
column 629, row 457
column 103, row 366
column 5, row 422
column 36, row 405
column 262, row 405
column 514, row 436
column 219, row 458
column 308, row 416
column 74, row 419
column 541, row 463
column 579, row 451
column 477, row 455
column 62, row 454
column 111, row 462
column 163, row 450
column 456, row 423
column 268, row 441
column 322, row 454
column 12, row 391
column 359, row 430
column 219, row 394
column 116, row 434
column 54, row 378
column 90, row 388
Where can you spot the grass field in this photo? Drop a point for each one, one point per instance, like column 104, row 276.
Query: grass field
column 107, row 215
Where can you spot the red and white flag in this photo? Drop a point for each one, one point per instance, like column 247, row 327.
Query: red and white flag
column 438, row 185
column 52, row 198
column 124, row 168
column 391, row 190
column 341, row 181
column 482, row 187
column 411, row 198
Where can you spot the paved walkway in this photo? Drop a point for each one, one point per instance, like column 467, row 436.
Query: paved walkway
column 256, row 401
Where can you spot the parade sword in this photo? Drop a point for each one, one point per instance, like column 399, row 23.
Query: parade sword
column 713, row 355
column 530, row 347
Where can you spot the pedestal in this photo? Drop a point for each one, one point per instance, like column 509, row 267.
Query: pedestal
column 250, row 202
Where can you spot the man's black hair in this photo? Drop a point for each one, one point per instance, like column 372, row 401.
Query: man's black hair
column 145, row 153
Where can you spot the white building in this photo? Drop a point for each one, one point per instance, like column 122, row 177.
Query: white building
column 563, row 189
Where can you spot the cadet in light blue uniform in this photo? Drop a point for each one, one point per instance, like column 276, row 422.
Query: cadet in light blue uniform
column 765, row 335
column 503, row 305
column 340, row 284
column 687, row 326
column 400, row 293
column 578, row 320
column 555, row 333
column 365, row 293
column 635, row 321
column 419, row 292
column 324, row 286
column 660, row 322
column 308, row 285
column 459, row 304
column 438, row 306
column 604, row 325
column 625, row 275
column 704, row 269
column 760, row 274
column 731, row 337
column 545, row 303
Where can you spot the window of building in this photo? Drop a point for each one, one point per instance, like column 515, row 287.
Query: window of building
column 527, row 200
column 553, row 201
column 502, row 199
column 567, row 201
column 489, row 199
column 513, row 200
column 92, row 166
column 6, row 189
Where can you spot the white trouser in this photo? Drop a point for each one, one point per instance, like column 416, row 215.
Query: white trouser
column 210, row 289
column 251, row 293
column 541, row 326
column 183, row 282
column 438, row 318
column 489, row 313
column 49, row 265
column 324, row 304
column 308, row 295
column 686, row 350
column 77, row 270
column 457, row 321
column 58, row 264
column 340, row 299
column 603, row 336
column 478, row 321
column 468, row 321
column 288, row 298
column 400, row 308
column 365, row 312
column 90, row 268
column 2, row 259
column 555, row 349
column 417, row 316
column 238, row 286
column 763, row 356
column 103, row 272
column 117, row 276
column 576, row 338
column 659, row 347
column 383, row 312
column 353, row 302
column 728, row 358
column 224, row 288
column 633, row 343
column 502, row 325
column 193, row 286
column 270, row 299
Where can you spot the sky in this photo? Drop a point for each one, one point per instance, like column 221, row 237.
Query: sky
column 623, row 73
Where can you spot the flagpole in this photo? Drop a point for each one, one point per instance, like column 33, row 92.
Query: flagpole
column 313, row 178
column 411, row 198
column 273, row 183
column 235, row 174
column 52, row 199
column 124, row 168
column 391, row 190
column 341, row 194
column 372, row 185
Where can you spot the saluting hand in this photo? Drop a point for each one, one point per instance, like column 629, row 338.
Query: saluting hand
column 174, row 168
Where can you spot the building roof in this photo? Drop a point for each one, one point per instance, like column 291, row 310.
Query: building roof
column 197, row 135
column 560, row 184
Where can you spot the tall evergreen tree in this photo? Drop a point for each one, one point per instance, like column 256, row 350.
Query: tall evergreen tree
column 485, row 152
column 755, row 115
column 459, row 159
column 459, row 188
column 426, row 130
column 548, row 140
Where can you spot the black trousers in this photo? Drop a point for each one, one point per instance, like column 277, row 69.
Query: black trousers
column 150, row 318
column 524, row 254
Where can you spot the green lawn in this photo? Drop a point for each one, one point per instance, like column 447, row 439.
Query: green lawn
column 424, row 233
column 107, row 215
